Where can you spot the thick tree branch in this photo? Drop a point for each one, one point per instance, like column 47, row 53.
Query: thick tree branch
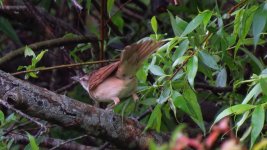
column 64, row 111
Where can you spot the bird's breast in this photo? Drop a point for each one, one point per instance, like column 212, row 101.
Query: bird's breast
column 113, row 87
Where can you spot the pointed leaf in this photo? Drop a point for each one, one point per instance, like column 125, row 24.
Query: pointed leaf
column 208, row 60
column 257, row 122
column 259, row 22
column 110, row 4
column 203, row 17
column 221, row 78
column 29, row 52
column 33, row 143
column 234, row 110
column 156, row 70
column 192, row 67
column 154, row 24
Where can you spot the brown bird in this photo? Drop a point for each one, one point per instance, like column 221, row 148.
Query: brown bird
column 117, row 80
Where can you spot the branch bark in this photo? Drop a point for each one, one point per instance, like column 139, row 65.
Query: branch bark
column 64, row 111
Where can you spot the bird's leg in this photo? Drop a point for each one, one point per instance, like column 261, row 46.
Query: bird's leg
column 135, row 97
column 116, row 102
column 96, row 104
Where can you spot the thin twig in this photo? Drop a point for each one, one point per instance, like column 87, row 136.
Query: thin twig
column 48, row 44
column 42, row 126
column 76, row 4
column 181, row 66
column 66, row 87
column 64, row 66
column 149, row 110
column 69, row 140
column 236, row 6
column 104, row 146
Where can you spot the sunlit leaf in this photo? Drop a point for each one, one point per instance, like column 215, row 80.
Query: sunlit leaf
column 154, row 24
column 255, row 91
column 39, row 57
column 29, row 52
column 33, row 143
column 233, row 110
column 203, row 17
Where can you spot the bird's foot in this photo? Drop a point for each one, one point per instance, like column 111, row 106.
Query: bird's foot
column 135, row 97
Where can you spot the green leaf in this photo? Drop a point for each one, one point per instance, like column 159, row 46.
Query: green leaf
column 256, row 90
column 221, row 78
column 118, row 21
column 154, row 24
column 29, row 52
column 33, row 143
column 21, row 67
column 88, row 5
column 110, row 4
column 238, row 21
column 192, row 67
column 257, row 123
column 253, row 58
column 155, row 119
column 179, row 61
column 259, row 22
column 39, row 57
column 178, row 25
column 142, row 72
column 263, row 83
column 193, row 105
column 156, row 70
column 149, row 101
column 7, row 28
column 2, row 117
column 180, row 102
column 164, row 96
column 32, row 74
column 181, row 49
column 208, row 60
column 203, row 17
column 233, row 110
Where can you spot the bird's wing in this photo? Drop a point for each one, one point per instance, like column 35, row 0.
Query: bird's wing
column 133, row 56
column 98, row 76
